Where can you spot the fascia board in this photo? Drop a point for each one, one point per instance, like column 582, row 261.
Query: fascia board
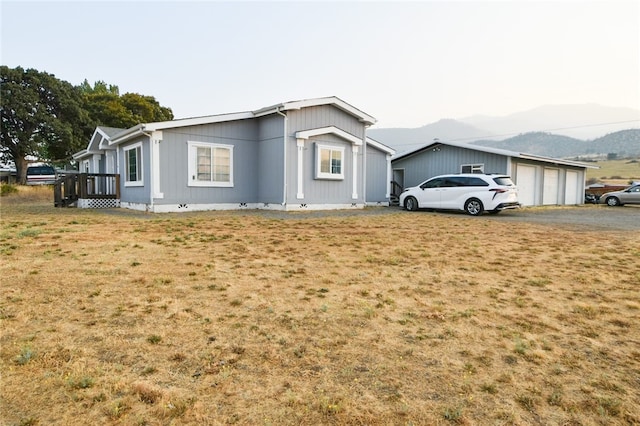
column 197, row 121
column 79, row 154
column 306, row 134
column 127, row 134
column 380, row 146
column 332, row 100
column 363, row 117
column 557, row 161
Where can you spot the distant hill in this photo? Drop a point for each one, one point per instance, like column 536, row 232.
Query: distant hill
column 552, row 130
column 623, row 143
column 403, row 139
column 539, row 143
column 582, row 121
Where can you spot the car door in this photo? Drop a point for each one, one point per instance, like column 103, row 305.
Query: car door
column 429, row 196
column 631, row 195
column 452, row 191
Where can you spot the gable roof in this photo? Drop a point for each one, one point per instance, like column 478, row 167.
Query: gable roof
column 99, row 141
column 497, row 151
column 209, row 119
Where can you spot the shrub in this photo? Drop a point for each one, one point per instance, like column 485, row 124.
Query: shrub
column 7, row 189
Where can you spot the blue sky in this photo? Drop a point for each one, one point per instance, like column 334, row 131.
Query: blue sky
column 406, row 63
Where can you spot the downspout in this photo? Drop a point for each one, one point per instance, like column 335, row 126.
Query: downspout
column 284, row 182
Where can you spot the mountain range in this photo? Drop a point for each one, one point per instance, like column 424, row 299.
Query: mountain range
column 553, row 131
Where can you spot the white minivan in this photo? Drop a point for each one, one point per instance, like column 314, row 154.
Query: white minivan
column 471, row 192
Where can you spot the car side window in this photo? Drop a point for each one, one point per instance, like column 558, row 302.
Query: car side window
column 473, row 181
column 456, row 181
column 433, row 183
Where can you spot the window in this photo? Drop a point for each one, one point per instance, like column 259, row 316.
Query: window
column 434, row 183
column 133, row 165
column 474, row 181
column 210, row 164
column 329, row 162
column 472, row 168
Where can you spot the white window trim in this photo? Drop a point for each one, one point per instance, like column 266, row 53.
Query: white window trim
column 191, row 154
column 140, row 181
column 330, row 176
column 475, row 168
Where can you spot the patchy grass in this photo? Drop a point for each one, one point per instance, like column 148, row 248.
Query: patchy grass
column 113, row 317
column 616, row 171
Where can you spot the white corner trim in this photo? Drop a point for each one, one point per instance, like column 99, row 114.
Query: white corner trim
column 306, row 134
column 354, row 161
column 156, row 138
column 300, row 180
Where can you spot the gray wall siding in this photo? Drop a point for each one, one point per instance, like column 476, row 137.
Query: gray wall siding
column 429, row 163
column 136, row 194
column 376, row 175
column 271, row 159
column 318, row 191
column 323, row 191
column 174, row 163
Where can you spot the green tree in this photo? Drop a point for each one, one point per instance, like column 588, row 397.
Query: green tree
column 42, row 118
column 107, row 107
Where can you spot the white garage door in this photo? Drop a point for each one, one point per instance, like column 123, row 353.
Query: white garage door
column 526, row 182
column 550, row 187
column 571, row 191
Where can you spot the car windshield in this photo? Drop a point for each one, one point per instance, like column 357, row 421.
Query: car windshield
column 503, row 180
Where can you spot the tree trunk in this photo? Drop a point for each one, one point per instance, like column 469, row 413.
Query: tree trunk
column 21, row 170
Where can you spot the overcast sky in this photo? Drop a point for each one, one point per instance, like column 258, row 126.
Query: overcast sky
column 406, row 63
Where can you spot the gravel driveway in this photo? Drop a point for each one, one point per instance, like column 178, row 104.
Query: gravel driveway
column 586, row 217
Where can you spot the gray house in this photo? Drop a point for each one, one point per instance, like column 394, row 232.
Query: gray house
column 309, row 154
column 540, row 180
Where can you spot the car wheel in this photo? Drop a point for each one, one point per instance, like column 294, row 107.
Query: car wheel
column 474, row 207
column 411, row 204
column 613, row 201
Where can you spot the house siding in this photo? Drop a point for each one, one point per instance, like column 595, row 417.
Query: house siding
column 376, row 176
column 271, row 160
column 426, row 164
column 319, row 191
column 242, row 135
column 266, row 159
column 136, row 194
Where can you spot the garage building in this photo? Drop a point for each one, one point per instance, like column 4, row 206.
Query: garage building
column 540, row 180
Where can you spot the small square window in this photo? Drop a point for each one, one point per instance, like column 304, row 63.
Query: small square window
column 329, row 162
column 472, row 168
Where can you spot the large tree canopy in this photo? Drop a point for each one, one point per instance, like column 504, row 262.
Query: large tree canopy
column 106, row 107
column 42, row 118
column 47, row 119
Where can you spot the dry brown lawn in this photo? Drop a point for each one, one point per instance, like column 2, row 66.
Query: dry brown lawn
column 228, row 318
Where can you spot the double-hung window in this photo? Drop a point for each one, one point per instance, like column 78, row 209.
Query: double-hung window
column 133, row 165
column 210, row 164
column 329, row 162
